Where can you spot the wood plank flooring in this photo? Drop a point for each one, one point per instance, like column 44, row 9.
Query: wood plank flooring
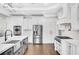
column 45, row 49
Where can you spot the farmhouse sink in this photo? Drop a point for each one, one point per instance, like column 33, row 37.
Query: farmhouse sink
column 15, row 42
column 11, row 42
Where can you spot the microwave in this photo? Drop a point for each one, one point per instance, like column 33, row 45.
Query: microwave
column 17, row 30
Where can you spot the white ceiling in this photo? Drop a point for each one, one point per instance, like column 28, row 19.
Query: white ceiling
column 32, row 5
column 31, row 8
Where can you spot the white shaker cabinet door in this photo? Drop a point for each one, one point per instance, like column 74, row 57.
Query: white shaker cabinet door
column 77, row 50
column 73, row 49
column 74, row 17
column 66, row 48
column 69, row 48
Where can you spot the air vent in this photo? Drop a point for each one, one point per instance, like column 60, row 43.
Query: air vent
column 37, row 15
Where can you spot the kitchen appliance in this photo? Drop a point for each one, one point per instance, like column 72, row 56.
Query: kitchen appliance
column 17, row 30
column 37, row 34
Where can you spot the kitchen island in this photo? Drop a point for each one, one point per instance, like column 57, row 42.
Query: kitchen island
column 19, row 47
column 5, row 47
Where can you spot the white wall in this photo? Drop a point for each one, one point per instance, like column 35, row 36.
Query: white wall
column 2, row 27
column 2, row 23
column 49, row 29
column 49, row 26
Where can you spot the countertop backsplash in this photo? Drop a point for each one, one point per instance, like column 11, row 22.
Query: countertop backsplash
column 72, row 34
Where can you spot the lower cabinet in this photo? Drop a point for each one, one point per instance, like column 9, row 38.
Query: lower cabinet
column 24, row 46
column 68, row 48
column 65, row 48
column 19, row 52
column 77, row 51
column 10, row 51
column 73, row 49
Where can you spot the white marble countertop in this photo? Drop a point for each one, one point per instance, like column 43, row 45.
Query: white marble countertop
column 17, row 38
column 4, row 47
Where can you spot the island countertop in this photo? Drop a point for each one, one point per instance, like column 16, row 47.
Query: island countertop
column 17, row 38
column 4, row 47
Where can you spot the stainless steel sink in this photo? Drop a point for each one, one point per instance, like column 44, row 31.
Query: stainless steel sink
column 11, row 42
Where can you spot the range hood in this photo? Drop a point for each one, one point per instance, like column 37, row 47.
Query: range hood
column 64, row 21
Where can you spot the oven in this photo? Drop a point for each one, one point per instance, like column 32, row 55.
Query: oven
column 17, row 30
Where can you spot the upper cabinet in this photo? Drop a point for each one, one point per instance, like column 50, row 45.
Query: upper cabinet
column 69, row 17
column 75, row 17
column 64, row 14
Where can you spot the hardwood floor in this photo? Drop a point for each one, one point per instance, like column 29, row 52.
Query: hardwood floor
column 45, row 49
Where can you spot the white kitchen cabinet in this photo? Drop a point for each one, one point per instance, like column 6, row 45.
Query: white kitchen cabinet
column 70, row 15
column 74, row 17
column 73, row 49
column 2, row 24
column 65, row 48
column 64, row 17
column 25, row 45
column 19, row 52
column 66, row 11
column 64, row 14
column 77, row 50
column 69, row 48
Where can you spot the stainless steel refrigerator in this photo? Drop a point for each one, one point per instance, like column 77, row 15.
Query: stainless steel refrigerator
column 37, row 34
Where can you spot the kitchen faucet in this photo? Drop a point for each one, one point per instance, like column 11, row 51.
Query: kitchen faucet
column 6, row 34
